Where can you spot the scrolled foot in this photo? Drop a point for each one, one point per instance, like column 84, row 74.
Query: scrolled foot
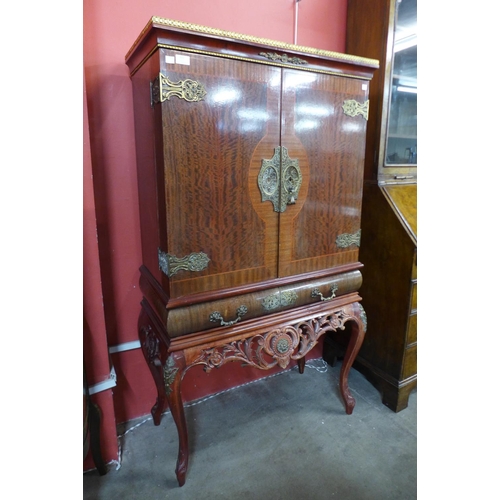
column 181, row 470
column 350, row 403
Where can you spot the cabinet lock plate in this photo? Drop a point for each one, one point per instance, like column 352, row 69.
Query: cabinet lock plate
column 280, row 179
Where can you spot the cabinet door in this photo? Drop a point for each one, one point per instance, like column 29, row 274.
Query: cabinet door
column 213, row 148
column 320, row 230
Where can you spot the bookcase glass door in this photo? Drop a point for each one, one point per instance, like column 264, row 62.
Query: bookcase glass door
column 401, row 146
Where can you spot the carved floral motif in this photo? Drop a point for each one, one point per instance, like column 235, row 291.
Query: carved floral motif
column 151, row 344
column 276, row 347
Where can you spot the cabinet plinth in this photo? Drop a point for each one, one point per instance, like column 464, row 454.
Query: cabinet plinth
column 250, row 170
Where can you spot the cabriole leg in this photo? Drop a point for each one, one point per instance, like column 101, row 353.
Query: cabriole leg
column 152, row 350
column 357, row 336
column 173, row 373
column 301, row 364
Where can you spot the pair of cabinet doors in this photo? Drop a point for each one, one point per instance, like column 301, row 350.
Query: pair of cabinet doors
column 262, row 170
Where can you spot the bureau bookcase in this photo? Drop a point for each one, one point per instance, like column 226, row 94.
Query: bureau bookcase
column 250, row 160
column 388, row 357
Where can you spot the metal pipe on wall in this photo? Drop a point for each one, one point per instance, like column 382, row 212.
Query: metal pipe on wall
column 296, row 21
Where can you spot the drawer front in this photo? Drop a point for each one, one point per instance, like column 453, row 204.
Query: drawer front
column 411, row 336
column 410, row 362
column 199, row 317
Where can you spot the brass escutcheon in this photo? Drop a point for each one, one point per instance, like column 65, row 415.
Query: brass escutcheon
column 280, row 179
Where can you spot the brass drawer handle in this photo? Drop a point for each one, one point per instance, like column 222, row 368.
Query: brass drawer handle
column 317, row 293
column 217, row 316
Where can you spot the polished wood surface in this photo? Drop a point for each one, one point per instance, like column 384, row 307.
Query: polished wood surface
column 212, row 214
column 248, row 111
column 388, row 221
column 276, row 279
column 183, row 320
column 404, row 199
column 207, row 149
column 333, row 142
column 389, row 289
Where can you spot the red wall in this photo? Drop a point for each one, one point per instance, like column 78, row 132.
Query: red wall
column 111, row 226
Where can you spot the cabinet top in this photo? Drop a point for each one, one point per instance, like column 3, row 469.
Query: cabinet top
column 162, row 25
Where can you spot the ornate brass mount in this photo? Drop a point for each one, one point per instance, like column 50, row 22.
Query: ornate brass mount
column 280, row 299
column 354, row 108
column 170, row 264
column 284, row 58
column 280, row 179
column 217, row 316
column 317, row 293
column 169, row 373
column 151, row 348
column 364, row 318
column 162, row 89
column 346, row 240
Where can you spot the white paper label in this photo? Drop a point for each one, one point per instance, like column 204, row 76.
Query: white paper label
column 180, row 59
column 170, row 59
column 364, row 86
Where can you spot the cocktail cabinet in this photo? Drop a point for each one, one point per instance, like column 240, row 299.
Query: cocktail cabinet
column 250, row 157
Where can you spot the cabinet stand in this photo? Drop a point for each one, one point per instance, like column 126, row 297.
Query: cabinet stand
column 258, row 343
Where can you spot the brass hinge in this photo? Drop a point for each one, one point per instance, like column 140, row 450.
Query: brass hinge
column 346, row 240
column 354, row 108
column 170, row 264
column 162, row 89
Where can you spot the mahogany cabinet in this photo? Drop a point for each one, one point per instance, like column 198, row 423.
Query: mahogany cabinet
column 250, row 157
column 387, row 30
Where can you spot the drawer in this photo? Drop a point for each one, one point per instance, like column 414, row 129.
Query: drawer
column 411, row 335
column 410, row 362
column 224, row 312
column 413, row 301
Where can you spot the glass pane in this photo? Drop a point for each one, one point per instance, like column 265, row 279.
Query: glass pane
column 401, row 148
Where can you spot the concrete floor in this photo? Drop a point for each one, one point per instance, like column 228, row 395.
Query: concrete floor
column 284, row 437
